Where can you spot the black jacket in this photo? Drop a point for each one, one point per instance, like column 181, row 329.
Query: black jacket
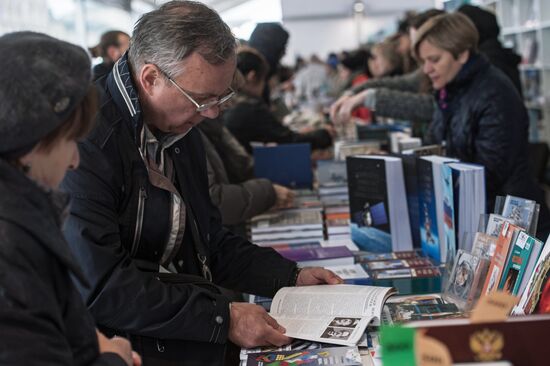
column 43, row 320
column 483, row 121
column 119, row 221
column 250, row 120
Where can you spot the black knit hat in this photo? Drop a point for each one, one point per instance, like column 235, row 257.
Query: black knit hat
column 42, row 81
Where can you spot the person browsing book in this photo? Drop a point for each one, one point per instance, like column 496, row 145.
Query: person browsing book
column 250, row 119
column 480, row 115
column 47, row 105
column 142, row 223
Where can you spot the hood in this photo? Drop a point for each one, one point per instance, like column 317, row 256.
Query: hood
column 270, row 39
column 485, row 22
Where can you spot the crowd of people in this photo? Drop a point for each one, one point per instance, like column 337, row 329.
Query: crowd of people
column 146, row 262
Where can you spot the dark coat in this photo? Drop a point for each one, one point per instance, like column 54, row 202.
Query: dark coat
column 489, row 45
column 116, row 211
column 483, row 120
column 250, row 120
column 43, row 318
column 237, row 202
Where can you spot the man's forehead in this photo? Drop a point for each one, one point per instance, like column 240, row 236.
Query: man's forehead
column 204, row 78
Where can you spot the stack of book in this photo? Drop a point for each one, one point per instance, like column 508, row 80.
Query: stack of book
column 294, row 226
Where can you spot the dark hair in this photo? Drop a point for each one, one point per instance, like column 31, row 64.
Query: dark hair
column 248, row 59
column 417, row 21
column 168, row 35
column 77, row 125
column 357, row 60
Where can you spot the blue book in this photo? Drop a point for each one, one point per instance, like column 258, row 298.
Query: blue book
column 429, row 236
column 287, row 164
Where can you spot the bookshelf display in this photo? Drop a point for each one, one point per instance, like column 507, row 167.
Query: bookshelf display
column 525, row 27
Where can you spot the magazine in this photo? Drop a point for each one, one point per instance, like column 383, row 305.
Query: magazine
column 335, row 356
column 336, row 314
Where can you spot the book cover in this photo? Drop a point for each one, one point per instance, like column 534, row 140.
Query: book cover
column 342, row 253
column 363, row 257
column 405, row 273
column 334, row 356
column 370, row 226
column 296, row 219
column 271, row 162
column 515, row 268
column 519, row 340
column 504, row 243
column 398, row 263
column 466, row 280
column 520, row 210
column 449, row 228
column 427, row 210
column 411, row 186
column 399, row 313
column 331, row 172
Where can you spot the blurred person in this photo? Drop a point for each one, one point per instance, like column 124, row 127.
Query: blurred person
column 239, row 196
column 385, row 60
column 271, row 40
column 404, row 97
column 355, row 69
column 310, row 82
column 111, row 47
column 479, row 116
column 250, row 119
column 47, row 105
column 489, row 45
column 142, row 223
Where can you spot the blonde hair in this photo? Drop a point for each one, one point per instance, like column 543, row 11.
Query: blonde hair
column 452, row 32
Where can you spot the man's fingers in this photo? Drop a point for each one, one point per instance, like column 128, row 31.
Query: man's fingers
column 276, row 337
column 274, row 324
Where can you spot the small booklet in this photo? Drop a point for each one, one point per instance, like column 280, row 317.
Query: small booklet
column 335, row 356
column 336, row 314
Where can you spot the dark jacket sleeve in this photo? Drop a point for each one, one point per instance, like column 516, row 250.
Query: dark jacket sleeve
column 409, row 82
column 410, row 106
column 254, row 122
column 33, row 321
column 121, row 296
column 236, row 202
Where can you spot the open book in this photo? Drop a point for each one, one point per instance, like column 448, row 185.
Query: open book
column 336, row 314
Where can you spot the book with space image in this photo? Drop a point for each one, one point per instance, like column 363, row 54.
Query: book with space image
column 378, row 206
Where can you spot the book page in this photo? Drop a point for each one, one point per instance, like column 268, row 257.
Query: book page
column 326, row 300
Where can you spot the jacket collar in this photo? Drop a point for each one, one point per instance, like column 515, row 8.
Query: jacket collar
column 25, row 204
column 125, row 95
column 469, row 71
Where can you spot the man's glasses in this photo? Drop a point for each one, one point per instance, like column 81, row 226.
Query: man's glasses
column 201, row 107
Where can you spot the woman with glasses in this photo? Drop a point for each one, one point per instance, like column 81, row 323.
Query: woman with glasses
column 250, row 119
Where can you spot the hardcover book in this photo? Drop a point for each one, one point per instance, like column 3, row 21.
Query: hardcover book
column 324, row 256
column 271, row 162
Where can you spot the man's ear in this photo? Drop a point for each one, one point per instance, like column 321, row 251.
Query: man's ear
column 150, row 78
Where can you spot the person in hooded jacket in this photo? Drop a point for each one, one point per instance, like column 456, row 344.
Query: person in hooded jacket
column 47, row 104
column 480, row 116
column 489, row 45
column 270, row 39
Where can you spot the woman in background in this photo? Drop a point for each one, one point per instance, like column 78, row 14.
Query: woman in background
column 480, row 116
column 47, row 105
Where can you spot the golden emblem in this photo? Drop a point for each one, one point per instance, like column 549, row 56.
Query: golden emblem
column 487, row 345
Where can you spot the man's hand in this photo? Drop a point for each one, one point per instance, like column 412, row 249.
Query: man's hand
column 251, row 326
column 285, row 196
column 120, row 346
column 317, row 276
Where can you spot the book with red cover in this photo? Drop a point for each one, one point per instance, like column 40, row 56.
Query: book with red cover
column 520, row 340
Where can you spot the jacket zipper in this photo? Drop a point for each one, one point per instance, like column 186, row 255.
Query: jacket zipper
column 139, row 220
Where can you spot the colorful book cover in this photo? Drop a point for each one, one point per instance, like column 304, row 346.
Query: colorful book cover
column 370, row 226
column 427, row 210
column 515, row 268
column 334, row 356
column 504, row 244
column 520, row 210
column 404, row 313
column 448, row 213
column 405, row 273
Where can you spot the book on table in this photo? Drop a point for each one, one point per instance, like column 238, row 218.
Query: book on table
column 335, row 314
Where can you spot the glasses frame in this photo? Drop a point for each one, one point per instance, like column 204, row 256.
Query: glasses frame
column 204, row 106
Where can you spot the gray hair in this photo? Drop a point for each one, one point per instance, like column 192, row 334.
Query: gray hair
column 168, row 35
